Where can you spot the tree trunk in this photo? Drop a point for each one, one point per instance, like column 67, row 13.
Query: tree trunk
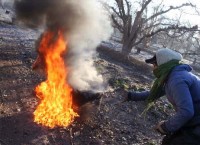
column 130, row 38
column 127, row 47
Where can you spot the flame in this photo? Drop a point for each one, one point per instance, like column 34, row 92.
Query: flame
column 55, row 108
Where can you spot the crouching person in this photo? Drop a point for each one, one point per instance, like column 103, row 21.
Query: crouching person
column 182, row 88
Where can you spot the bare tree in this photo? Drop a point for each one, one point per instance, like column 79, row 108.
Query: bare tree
column 138, row 27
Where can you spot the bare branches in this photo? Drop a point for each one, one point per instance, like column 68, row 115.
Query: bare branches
column 117, row 24
column 169, row 9
column 128, row 5
column 121, row 14
column 140, row 26
column 144, row 6
column 117, row 13
column 183, row 29
column 179, row 34
column 195, row 7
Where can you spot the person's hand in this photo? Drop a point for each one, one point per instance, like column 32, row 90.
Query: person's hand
column 159, row 128
column 129, row 96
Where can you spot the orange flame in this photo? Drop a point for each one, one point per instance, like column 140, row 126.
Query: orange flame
column 55, row 108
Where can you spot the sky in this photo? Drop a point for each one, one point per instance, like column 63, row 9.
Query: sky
column 188, row 14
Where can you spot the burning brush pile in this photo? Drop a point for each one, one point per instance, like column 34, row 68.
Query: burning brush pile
column 72, row 30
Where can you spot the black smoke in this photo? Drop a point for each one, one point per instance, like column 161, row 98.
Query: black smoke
column 85, row 24
column 50, row 13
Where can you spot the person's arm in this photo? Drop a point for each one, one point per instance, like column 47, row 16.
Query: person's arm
column 142, row 95
column 184, row 104
column 138, row 96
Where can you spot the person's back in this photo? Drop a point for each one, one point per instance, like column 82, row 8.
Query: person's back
column 183, row 91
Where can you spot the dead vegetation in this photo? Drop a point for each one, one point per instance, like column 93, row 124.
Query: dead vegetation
column 109, row 121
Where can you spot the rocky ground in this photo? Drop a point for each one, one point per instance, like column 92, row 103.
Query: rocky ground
column 111, row 122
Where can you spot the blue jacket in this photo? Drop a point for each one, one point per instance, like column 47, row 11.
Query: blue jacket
column 182, row 89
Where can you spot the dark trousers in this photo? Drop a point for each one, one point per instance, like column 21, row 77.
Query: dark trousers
column 186, row 136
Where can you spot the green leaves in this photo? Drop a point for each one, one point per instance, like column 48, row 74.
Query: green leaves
column 119, row 83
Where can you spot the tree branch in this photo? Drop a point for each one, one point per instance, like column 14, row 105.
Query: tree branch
column 128, row 5
column 169, row 9
column 144, row 6
column 117, row 13
column 182, row 28
column 119, row 27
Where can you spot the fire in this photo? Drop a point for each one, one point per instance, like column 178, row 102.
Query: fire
column 55, row 108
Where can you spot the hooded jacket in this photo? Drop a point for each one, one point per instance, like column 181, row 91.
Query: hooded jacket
column 183, row 92
column 182, row 89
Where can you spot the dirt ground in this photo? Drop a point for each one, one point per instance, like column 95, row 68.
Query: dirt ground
column 111, row 122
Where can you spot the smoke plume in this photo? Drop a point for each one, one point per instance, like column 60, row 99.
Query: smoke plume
column 85, row 25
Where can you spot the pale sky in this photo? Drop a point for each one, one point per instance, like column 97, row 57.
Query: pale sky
column 188, row 14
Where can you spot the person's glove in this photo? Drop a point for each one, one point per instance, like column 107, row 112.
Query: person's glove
column 131, row 96
column 160, row 127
